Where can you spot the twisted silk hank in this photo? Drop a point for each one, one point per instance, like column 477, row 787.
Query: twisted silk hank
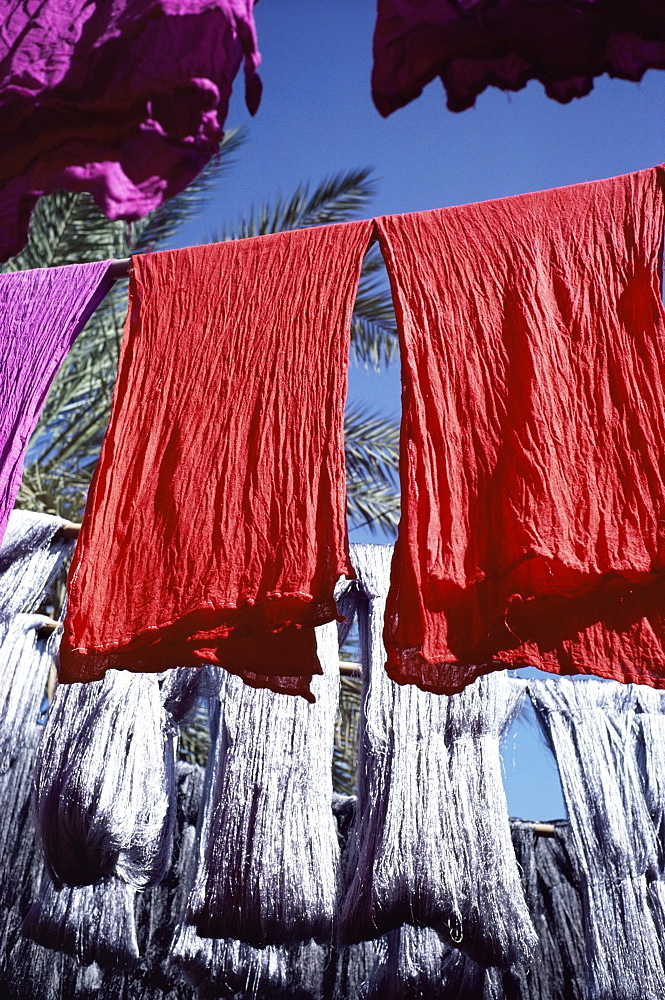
column 33, row 552
column 650, row 751
column 532, row 466
column 42, row 311
column 402, row 864
column 124, row 100
column 432, row 841
column 104, row 783
column 268, row 854
column 473, row 44
column 188, row 553
column 613, row 841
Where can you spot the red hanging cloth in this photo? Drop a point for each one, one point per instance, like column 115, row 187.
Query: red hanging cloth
column 533, row 455
column 216, row 525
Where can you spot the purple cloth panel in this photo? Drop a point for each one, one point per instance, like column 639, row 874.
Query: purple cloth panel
column 472, row 44
column 41, row 313
column 125, row 99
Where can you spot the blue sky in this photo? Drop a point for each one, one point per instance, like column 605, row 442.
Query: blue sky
column 317, row 118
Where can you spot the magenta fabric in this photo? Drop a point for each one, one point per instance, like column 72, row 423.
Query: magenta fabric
column 472, row 44
column 41, row 313
column 125, row 99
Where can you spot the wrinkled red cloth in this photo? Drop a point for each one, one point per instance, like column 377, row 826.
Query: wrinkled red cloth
column 473, row 44
column 125, row 99
column 533, row 436
column 216, row 525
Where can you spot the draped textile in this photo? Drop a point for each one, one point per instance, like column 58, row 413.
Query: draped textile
column 41, row 313
column 532, row 461
column 124, row 99
column 473, row 44
column 216, row 526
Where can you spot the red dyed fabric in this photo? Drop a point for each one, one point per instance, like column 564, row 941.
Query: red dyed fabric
column 216, row 526
column 533, row 455
column 125, row 99
column 473, row 44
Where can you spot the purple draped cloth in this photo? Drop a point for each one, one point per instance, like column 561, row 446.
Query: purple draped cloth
column 472, row 44
column 41, row 314
column 122, row 98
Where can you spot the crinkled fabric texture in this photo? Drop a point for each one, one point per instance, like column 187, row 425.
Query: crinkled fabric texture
column 532, row 459
column 216, row 526
column 125, row 99
column 473, row 44
column 41, row 313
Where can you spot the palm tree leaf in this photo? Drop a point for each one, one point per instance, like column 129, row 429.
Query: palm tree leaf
column 371, row 445
column 337, row 199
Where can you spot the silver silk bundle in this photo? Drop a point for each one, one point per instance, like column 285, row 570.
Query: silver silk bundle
column 96, row 923
column 496, row 928
column 649, row 733
column 268, row 852
column 432, row 840
column 26, row 659
column 32, row 553
column 409, row 966
column 589, row 725
column 25, row 662
column 557, row 971
column 215, row 967
column 103, row 782
column 402, row 865
column 414, row 963
column 92, row 923
column 226, row 967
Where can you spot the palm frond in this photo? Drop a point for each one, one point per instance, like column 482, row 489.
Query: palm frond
column 373, row 506
column 374, row 341
column 372, row 446
column 337, row 199
column 68, row 228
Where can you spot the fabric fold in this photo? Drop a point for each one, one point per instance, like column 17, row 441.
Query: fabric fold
column 42, row 311
column 216, row 526
column 532, row 466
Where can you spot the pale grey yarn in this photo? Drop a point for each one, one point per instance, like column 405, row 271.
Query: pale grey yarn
column 32, row 553
column 104, row 782
column 650, row 752
column 409, row 966
column 432, row 842
column 217, row 967
column 496, row 929
column 268, row 856
column 92, row 923
column 25, row 662
column 403, row 865
column 589, row 726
